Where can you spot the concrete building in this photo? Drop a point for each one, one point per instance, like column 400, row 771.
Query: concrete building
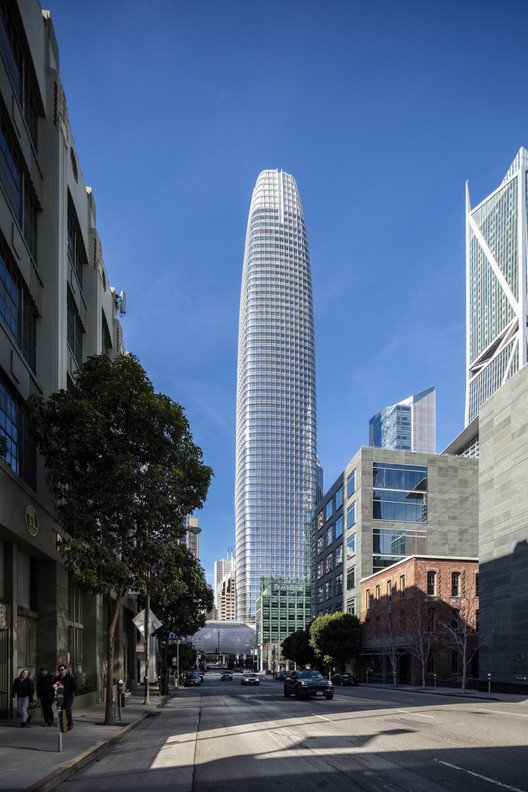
column 395, row 504
column 409, row 425
column 403, row 610
column 276, row 412
column 283, row 607
column 222, row 567
column 56, row 308
column 192, row 533
column 496, row 277
column 227, row 598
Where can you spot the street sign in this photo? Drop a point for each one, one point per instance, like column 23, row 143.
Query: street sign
column 139, row 621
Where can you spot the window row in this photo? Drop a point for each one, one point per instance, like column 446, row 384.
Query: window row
column 17, row 312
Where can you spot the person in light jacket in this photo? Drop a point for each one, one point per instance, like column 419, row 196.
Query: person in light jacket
column 23, row 692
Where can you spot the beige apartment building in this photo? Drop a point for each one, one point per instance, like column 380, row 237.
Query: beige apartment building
column 56, row 308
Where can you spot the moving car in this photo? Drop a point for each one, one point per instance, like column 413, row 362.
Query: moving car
column 226, row 676
column 192, row 679
column 304, row 684
column 249, row 679
column 345, row 679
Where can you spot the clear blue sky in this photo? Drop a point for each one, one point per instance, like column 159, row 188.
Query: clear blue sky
column 381, row 110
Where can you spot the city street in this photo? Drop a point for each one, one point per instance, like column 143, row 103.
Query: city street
column 224, row 736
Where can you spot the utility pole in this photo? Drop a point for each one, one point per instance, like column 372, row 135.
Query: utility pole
column 147, row 643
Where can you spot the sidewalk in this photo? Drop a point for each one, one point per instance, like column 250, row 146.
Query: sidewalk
column 513, row 698
column 30, row 759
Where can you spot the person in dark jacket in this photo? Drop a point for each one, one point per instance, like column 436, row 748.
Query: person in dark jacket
column 23, row 692
column 45, row 694
column 70, row 686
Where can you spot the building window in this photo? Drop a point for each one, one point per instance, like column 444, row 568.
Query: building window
column 455, row 619
column 367, row 599
column 455, row 662
column 339, row 555
column 320, row 520
column 16, row 67
column 320, row 594
column 351, row 579
column 431, row 584
column 17, row 189
column 389, row 591
column 339, row 498
column 402, row 586
column 320, row 569
column 329, row 509
column 75, row 247
column 455, row 584
column 339, row 527
column 351, row 484
column 477, row 585
column 16, row 445
column 430, row 664
column 74, row 330
column 351, row 546
column 378, row 595
column 329, row 537
column 378, row 627
column 17, row 311
column 367, row 622
column 351, row 605
column 339, row 584
column 399, row 493
column 329, row 563
column 351, row 515
column 320, row 544
column 389, row 623
column 402, row 622
column 328, row 586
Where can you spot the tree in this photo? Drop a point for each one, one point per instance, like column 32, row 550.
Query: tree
column 296, row 647
column 180, row 597
column 459, row 626
column 421, row 627
column 391, row 645
column 335, row 638
column 123, row 471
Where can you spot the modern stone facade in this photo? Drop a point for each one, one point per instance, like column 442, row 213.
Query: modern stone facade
column 56, row 308
column 283, row 607
column 395, row 504
column 503, row 433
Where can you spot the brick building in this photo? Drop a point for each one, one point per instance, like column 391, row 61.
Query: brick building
column 416, row 616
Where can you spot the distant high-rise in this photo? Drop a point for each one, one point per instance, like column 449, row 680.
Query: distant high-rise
column 192, row 531
column 276, row 410
column 222, row 567
column 409, row 425
column 496, row 286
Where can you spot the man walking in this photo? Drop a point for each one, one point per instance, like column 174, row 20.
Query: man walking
column 66, row 678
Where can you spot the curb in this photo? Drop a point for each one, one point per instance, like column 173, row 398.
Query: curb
column 54, row 779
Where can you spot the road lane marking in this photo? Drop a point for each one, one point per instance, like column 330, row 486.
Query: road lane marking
column 320, row 716
column 478, row 775
column 418, row 714
column 501, row 712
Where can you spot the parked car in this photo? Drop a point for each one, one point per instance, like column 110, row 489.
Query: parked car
column 192, row 679
column 280, row 676
column 345, row 679
column 304, row 684
column 226, row 676
column 249, row 679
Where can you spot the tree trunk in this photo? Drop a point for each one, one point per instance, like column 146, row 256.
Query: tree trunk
column 109, row 711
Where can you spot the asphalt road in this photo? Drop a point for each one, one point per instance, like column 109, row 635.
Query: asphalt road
column 224, row 737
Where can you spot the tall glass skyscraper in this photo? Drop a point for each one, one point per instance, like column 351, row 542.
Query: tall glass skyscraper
column 496, row 286
column 409, row 425
column 276, row 408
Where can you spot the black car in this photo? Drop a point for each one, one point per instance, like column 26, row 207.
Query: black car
column 226, row 676
column 304, row 684
column 192, row 679
column 345, row 679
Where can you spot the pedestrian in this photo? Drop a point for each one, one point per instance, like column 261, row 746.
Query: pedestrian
column 45, row 694
column 23, row 692
column 66, row 678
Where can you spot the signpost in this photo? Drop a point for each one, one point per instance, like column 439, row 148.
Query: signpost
column 59, row 697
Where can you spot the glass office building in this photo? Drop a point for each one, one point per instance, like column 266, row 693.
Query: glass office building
column 409, row 425
column 276, row 408
column 496, row 271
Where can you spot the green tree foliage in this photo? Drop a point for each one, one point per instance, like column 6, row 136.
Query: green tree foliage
column 297, row 647
column 335, row 638
column 179, row 596
column 123, row 470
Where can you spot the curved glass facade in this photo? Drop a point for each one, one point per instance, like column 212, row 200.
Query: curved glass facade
column 276, row 406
